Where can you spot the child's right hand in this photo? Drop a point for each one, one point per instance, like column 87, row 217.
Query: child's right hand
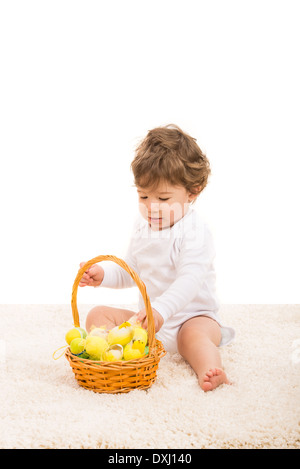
column 92, row 277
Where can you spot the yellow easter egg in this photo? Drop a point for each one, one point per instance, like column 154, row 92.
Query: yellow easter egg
column 77, row 346
column 131, row 353
column 120, row 334
column 112, row 355
column 75, row 333
column 139, row 345
column 95, row 347
column 139, row 333
column 99, row 331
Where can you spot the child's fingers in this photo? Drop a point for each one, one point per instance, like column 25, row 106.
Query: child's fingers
column 145, row 324
column 92, row 270
column 85, row 280
column 87, row 277
column 133, row 320
column 86, row 284
column 82, row 264
column 141, row 316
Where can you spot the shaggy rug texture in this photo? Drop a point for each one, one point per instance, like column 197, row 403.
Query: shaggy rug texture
column 42, row 405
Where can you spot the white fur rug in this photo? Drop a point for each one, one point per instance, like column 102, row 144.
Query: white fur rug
column 43, row 407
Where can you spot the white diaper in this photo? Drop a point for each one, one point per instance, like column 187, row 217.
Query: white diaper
column 168, row 334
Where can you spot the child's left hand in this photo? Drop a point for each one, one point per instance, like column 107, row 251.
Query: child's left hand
column 142, row 318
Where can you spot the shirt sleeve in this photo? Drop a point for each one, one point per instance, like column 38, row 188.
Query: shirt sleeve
column 194, row 263
column 115, row 276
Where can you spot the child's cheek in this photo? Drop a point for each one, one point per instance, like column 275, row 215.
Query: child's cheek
column 143, row 210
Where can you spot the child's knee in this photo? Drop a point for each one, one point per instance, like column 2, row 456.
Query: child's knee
column 97, row 317
column 189, row 338
column 106, row 316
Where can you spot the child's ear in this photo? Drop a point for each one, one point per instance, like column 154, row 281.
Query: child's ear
column 193, row 195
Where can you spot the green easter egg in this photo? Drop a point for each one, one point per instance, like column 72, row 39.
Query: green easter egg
column 77, row 346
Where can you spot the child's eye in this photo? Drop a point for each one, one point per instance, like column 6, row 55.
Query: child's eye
column 164, row 199
column 144, row 197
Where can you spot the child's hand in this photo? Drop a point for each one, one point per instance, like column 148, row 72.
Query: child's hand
column 92, row 277
column 158, row 319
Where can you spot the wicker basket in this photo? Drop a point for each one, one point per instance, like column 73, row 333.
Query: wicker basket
column 119, row 376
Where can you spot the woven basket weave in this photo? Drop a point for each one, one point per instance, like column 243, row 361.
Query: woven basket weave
column 119, row 376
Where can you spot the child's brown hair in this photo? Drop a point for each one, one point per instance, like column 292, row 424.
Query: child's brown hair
column 169, row 154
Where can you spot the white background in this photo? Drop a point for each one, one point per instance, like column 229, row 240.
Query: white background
column 83, row 81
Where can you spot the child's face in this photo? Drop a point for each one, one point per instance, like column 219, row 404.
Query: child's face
column 165, row 205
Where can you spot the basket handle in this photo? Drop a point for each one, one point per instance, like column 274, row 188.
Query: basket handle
column 135, row 277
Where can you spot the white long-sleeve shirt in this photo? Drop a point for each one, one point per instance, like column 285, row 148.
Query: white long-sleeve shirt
column 176, row 265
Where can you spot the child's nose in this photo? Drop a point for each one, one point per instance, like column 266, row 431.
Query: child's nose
column 154, row 206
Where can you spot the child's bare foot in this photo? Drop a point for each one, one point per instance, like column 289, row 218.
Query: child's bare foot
column 213, row 378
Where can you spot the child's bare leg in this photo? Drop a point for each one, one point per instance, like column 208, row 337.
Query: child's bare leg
column 198, row 341
column 106, row 316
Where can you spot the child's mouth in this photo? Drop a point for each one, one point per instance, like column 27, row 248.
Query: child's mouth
column 154, row 219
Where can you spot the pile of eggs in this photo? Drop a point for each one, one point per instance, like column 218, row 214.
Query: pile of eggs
column 124, row 342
